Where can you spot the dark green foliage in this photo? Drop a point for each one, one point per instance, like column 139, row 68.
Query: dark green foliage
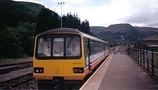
column 85, row 27
column 20, row 22
column 47, row 20
column 13, row 12
column 18, row 41
column 71, row 21
column 10, row 45
column 26, row 34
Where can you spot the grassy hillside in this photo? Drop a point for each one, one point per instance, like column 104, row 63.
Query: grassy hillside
column 21, row 21
column 97, row 29
column 17, row 27
column 12, row 12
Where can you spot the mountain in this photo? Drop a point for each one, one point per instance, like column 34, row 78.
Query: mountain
column 122, row 32
column 97, row 29
column 115, row 28
column 147, row 31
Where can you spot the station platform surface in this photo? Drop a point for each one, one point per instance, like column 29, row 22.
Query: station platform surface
column 120, row 72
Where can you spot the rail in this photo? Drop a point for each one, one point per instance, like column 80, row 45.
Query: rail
column 148, row 60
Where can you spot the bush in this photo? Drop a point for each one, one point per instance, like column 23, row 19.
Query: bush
column 17, row 42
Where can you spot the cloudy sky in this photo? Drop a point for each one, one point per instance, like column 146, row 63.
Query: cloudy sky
column 142, row 13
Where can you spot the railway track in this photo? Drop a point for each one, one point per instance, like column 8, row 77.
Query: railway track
column 16, row 81
column 12, row 75
column 6, row 68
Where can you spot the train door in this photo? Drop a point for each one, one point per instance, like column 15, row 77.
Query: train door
column 87, row 53
column 89, row 50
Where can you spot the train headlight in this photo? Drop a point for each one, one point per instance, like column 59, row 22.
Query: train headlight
column 38, row 70
column 78, row 70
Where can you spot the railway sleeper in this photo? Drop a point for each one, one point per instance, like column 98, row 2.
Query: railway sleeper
column 4, row 70
column 8, row 69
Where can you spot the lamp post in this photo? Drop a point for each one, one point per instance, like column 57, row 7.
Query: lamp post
column 121, row 39
column 61, row 3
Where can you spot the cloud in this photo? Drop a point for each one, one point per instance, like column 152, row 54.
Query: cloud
column 106, row 12
column 69, row 1
column 137, row 13
column 145, row 13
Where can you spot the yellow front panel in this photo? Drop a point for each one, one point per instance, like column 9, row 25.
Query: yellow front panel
column 59, row 68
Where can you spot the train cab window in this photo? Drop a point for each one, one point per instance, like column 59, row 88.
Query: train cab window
column 72, row 46
column 44, row 47
column 58, row 47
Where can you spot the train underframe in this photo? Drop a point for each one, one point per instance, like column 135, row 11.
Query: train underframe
column 58, row 83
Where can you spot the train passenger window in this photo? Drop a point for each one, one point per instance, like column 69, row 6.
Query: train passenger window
column 58, row 47
column 96, row 47
column 73, row 46
column 44, row 47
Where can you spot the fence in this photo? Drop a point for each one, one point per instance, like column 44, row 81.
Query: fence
column 146, row 59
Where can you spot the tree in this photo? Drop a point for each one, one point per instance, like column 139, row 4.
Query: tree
column 71, row 21
column 85, row 27
column 10, row 45
column 12, row 12
column 17, row 42
column 26, row 34
column 47, row 19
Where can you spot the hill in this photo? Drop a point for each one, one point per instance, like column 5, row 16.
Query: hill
column 114, row 33
column 147, row 31
column 21, row 21
column 17, row 27
column 97, row 29
column 12, row 12
column 115, row 28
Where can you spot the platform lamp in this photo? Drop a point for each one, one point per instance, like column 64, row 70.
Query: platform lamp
column 61, row 3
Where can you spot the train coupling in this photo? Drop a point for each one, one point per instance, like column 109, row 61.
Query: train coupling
column 58, row 82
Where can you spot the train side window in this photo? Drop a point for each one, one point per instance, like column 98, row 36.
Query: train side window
column 44, row 47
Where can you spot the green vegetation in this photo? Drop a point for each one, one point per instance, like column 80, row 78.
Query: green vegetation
column 17, row 41
column 21, row 21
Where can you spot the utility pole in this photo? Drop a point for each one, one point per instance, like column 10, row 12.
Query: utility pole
column 61, row 3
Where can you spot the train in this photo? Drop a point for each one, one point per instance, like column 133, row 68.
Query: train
column 66, row 55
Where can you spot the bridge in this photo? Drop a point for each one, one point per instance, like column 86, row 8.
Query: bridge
column 123, row 72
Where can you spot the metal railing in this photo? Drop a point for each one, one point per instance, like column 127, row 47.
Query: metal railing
column 148, row 60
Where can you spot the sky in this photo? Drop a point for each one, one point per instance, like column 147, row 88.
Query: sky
column 142, row 13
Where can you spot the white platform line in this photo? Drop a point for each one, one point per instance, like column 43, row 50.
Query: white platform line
column 108, row 58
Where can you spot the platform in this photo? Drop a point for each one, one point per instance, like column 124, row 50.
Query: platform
column 120, row 72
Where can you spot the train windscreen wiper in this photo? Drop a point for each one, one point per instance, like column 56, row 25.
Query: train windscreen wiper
column 70, row 41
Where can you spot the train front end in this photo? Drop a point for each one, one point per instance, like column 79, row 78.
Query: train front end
column 58, row 57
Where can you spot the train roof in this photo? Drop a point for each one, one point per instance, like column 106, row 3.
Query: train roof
column 71, row 30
